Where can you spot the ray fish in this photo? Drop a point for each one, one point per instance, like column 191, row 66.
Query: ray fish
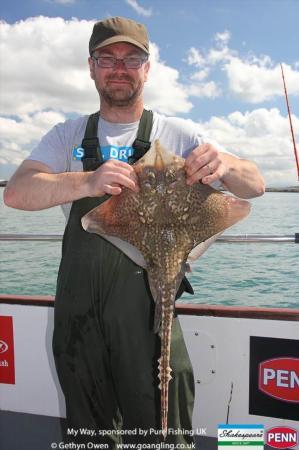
column 163, row 227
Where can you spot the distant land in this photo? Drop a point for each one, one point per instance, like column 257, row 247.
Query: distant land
column 281, row 189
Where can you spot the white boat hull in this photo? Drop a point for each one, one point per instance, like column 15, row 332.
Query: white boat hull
column 219, row 348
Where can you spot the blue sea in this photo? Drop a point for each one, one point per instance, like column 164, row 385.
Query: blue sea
column 230, row 274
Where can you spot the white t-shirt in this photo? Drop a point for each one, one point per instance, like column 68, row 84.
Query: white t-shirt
column 60, row 149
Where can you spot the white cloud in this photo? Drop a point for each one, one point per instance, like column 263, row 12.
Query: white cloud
column 198, row 88
column 250, row 78
column 260, row 81
column 195, row 58
column 163, row 91
column 260, row 135
column 46, row 66
column 209, row 89
column 139, row 9
column 201, row 88
column 223, row 38
column 19, row 136
column 200, row 75
column 218, row 55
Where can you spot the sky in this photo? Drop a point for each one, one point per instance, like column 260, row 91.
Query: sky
column 215, row 62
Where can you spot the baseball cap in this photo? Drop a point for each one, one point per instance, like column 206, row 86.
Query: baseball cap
column 118, row 29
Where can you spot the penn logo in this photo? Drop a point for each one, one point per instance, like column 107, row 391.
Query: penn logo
column 279, row 378
column 282, row 437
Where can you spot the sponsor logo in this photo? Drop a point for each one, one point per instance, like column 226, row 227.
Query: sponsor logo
column 7, row 358
column 274, row 377
column 282, row 437
column 279, row 378
column 3, row 346
column 237, row 436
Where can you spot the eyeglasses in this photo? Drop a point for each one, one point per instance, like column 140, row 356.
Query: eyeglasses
column 109, row 62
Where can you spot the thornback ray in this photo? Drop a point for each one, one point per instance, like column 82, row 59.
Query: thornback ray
column 159, row 228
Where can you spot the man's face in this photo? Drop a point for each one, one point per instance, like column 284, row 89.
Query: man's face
column 119, row 86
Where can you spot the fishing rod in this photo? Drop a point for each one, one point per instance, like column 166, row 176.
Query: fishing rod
column 246, row 238
column 290, row 120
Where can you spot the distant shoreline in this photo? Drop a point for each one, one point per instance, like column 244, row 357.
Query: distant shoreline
column 286, row 189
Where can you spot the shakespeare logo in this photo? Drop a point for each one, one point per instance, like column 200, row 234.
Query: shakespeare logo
column 279, row 378
column 238, row 436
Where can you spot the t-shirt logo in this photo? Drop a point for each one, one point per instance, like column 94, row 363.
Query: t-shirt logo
column 78, row 153
column 122, row 153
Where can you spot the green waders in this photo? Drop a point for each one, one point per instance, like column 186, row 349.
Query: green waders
column 105, row 349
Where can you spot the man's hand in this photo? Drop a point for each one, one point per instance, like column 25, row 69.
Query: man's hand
column 205, row 164
column 34, row 186
column 239, row 176
column 110, row 177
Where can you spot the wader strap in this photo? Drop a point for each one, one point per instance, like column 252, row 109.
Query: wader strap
column 93, row 157
column 142, row 142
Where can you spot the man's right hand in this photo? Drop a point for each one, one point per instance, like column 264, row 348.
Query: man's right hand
column 34, row 186
column 110, row 177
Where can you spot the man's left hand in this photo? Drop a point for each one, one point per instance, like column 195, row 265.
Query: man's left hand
column 205, row 164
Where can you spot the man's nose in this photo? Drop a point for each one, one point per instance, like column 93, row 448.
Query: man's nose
column 120, row 63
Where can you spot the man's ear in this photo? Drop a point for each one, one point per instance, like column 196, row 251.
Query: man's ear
column 146, row 70
column 91, row 68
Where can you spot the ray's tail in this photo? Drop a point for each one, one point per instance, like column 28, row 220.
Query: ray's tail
column 164, row 364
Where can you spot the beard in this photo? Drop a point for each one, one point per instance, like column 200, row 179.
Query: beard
column 121, row 96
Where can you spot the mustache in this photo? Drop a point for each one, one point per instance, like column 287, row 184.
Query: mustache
column 123, row 77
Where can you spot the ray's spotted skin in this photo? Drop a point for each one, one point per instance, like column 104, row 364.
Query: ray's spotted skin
column 158, row 227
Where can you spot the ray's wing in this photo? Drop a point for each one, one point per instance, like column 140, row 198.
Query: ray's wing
column 110, row 220
column 128, row 249
column 201, row 248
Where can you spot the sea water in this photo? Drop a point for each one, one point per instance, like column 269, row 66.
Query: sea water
column 260, row 274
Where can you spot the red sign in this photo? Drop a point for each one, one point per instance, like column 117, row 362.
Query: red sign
column 282, row 437
column 7, row 358
column 279, row 378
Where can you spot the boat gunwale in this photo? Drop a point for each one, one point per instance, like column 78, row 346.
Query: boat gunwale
column 190, row 309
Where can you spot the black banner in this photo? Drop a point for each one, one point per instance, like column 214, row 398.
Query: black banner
column 274, row 377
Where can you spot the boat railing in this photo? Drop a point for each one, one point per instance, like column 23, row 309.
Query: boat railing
column 183, row 308
column 238, row 238
column 288, row 189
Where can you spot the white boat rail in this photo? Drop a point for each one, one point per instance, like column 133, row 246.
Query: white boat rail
column 239, row 238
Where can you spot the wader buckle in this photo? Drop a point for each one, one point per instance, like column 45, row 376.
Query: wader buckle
column 140, row 148
column 89, row 144
column 91, row 159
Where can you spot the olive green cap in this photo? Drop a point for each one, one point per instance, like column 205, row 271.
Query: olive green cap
column 118, row 29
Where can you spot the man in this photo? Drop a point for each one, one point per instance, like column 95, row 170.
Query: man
column 104, row 346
